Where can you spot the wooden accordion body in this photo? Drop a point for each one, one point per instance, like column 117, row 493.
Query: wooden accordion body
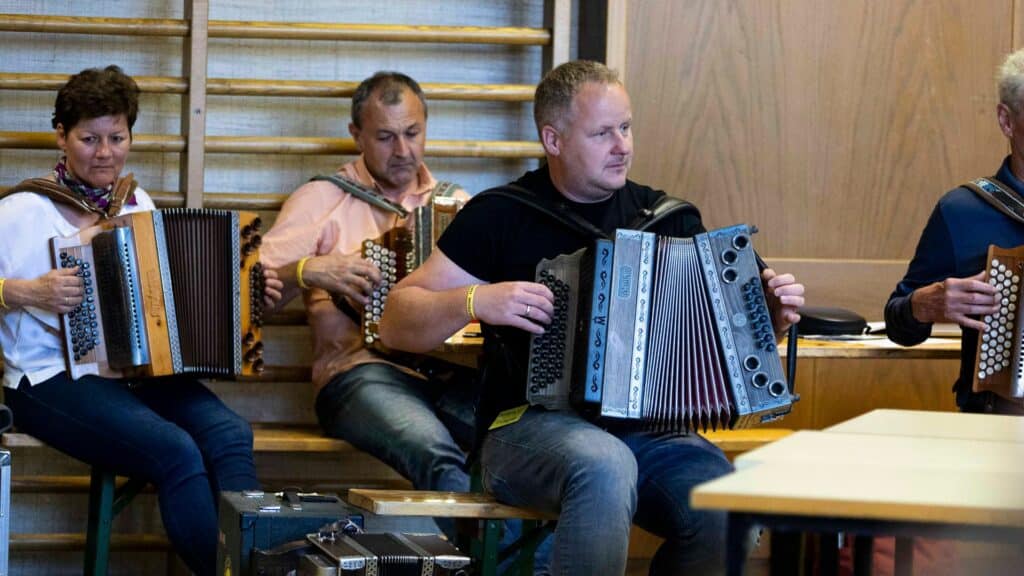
column 999, row 366
column 671, row 332
column 166, row 292
column 401, row 250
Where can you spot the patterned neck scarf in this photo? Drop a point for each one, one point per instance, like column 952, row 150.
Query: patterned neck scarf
column 98, row 196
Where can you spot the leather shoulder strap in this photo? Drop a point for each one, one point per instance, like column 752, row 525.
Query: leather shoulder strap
column 557, row 211
column 444, row 189
column 663, row 207
column 123, row 189
column 55, row 192
column 1000, row 196
column 365, row 194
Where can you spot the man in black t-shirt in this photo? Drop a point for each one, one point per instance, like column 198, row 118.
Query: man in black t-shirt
column 599, row 480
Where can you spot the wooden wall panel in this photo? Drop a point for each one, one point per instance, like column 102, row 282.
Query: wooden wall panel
column 863, row 286
column 847, row 388
column 833, row 126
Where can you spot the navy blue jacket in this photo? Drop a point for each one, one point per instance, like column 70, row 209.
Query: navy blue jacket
column 954, row 244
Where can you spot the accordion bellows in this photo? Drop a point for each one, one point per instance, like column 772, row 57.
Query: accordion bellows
column 671, row 332
column 166, row 292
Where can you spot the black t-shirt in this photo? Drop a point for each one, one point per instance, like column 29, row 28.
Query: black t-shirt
column 499, row 239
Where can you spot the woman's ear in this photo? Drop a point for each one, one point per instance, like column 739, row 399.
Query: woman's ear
column 61, row 137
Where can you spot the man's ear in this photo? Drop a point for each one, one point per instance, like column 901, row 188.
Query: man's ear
column 1005, row 116
column 355, row 131
column 551, row 140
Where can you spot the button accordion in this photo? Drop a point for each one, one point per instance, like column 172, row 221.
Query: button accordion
column 999, row 366
column 401, row 250
column 166, row 292
column 384, row 554
column 672, row 332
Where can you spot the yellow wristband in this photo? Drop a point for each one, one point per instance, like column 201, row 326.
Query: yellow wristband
column 3, row 303
column 469, row 302
column 298, row 273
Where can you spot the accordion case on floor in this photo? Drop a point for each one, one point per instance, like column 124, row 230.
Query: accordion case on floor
column 385, row 554
column 166, row 292
column 999, row 366
column 672, row 332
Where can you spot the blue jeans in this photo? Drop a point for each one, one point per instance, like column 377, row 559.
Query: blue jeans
column 172, row 432
column 600, row 482
column 407, row 423
column 391, row 415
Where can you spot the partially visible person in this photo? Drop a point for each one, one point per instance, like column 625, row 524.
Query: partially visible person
column 598, row 478
column 172, row 432
column 945, row 282
column 379, row 404
column 945, row 279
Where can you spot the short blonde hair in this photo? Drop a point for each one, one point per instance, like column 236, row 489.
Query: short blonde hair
column 553, row 97
column 1010, row 80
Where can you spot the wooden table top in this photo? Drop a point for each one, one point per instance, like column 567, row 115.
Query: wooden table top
column 811, row 448
column 889, row 422
column 970, row 472
column 854, row 490
column 469, row 340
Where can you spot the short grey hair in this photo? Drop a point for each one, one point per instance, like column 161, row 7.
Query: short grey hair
column 389, row 86
column 1010, row 80
column 552, row 101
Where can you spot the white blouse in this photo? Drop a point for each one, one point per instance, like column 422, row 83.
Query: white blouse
column 30, row 337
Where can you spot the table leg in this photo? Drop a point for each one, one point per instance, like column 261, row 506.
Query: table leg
column 785, row 553
column 736, row 544
column 904, row 556
column 863, row 555
column 829, row 556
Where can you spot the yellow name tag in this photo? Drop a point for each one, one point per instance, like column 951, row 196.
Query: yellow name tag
column 510, row 416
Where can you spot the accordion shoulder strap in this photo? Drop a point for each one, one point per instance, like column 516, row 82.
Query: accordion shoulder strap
column 664, row 207
column 558, row 211
column 1000, row 196
column 123, row 190
column 363, row 193
column 45, row 187
column 444, row 189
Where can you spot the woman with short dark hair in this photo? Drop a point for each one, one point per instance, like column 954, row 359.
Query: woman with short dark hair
column 171, row 431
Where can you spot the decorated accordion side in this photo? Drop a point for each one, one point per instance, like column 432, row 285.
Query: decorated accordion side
column 166, row 292
column 998, row 366
column 401, row 250
column 673, row 332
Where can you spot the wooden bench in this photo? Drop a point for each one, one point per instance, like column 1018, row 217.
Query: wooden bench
column 109, row 495
column 478, row 505
column 489, row 514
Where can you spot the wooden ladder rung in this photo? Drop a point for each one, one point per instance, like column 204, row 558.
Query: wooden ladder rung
column 76, row 541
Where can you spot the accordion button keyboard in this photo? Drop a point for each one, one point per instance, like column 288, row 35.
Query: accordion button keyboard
column 551, row 345
column 82, row 319
column 997, row 341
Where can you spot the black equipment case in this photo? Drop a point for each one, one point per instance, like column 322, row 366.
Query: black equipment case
column 254, row 520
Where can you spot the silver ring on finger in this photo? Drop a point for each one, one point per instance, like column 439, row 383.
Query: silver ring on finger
column 528, row 308
column 67, row 300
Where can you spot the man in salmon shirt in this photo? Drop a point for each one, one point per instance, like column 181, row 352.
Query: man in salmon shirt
column 380, row 406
